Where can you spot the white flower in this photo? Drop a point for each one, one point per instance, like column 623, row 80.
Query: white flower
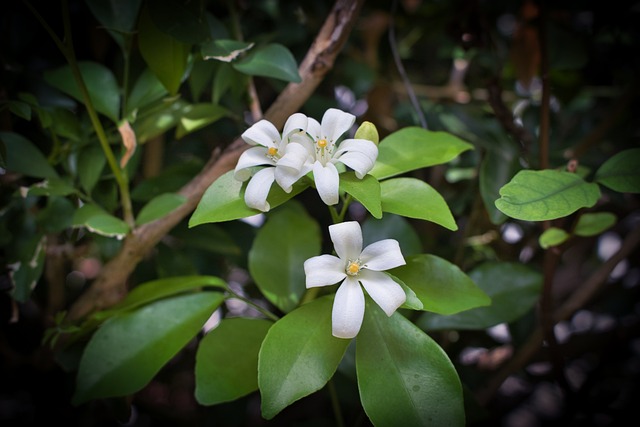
column 353, row 266
column 285, row 162
column 358, row 154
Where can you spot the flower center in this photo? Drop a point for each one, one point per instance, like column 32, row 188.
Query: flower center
column 322, row 143
column 353, row 267
column 272, row 153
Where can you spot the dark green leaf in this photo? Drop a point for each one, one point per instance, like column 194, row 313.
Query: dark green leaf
column 98, row 221
column 365, row 191
column 24, row 157
column 52, row 187
column 147, row 90
column 272, row 60
column 441, row 286
column 184, row 20
column 197, row 116
column 224, row 50
column 395, row 227
column 159, row 206
column 91, row 161
column 496, row 169
column 160, row 119
column 592, row 224
column 227, row 360
column 414, row 148
column 117, row 16
column 20, row 109
column 414, row 198
column 620, row 172
column 298, row 356
column 514, row 290
column 404, row 377
column 289, row 237
column 28, row 270
column 127, row 351
column 545, row 195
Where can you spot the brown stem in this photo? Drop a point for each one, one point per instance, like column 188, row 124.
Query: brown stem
column 111, row 286
column 546, row 90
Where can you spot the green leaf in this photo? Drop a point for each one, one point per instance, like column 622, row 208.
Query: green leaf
column 91, row 161
column 198, row 116
column 272, row 60
column 27, row 271
column 147, row 90
column 620, row 172
column 52, row 187
column 414, row 198
column 101, row 84
column 127, row 351
column 22, row 156
column 298, row 356
column 96, row 220
column 514, row 290
column 392, row 227
column 552, row 237
column 592, row 224
column 414, row 148
column 404, row 377
column 365, row 191
column 441, row 286
column 184, row 20
column 224, row 50
column 546, row 194
column 117, row 16
column 496, row 169
column 224, row 200
column 227, row 360
column 165, row 56
column 159, row 206
column 159, row 120
column 288, row 238
column 20, row 109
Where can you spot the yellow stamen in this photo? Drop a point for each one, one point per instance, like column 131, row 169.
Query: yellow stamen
column 353, row 268
column 272, row 151
column 322, row 143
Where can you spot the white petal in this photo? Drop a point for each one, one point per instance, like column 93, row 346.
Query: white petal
column 347, row 240
column 254, row 156
column 262, row 133
column 295, row 122
column 294, row 156
column 362, row 146
column 383, row 290
column 335, row 123
column 382, row 255
column 255, row 196
column 348, row 310
column 327, row 182
column 359, row 162
column 286, row 177
column 323, row 270
column 314, row 129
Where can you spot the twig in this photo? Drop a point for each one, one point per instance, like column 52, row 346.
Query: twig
column 110, row 286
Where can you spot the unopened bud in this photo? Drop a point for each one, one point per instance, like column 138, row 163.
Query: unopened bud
column 367, row 130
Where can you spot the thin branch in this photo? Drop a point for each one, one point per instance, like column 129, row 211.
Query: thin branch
column 111, row 285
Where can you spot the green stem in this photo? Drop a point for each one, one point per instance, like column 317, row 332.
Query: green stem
column 66, row 48
column 262, row 310
column 335, row 403
column 335, row 217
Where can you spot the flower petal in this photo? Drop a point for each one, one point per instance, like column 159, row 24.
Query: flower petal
column 359, row 162
column 348, row 310
column 255, row 196
column 254, row 156
column 382, row 255
column 262, row 133
column 294, row 157
column 327, row 182
column 295, row 122
column 335, row 123
column 383, row 290
column 323, row 270
column 347, row 240
column 286, row 177
column 362, row 146
column 314, row 129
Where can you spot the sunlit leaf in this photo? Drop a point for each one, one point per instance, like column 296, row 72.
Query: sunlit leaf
column 545, row 195
column 414, row 148
column 227, row 360
column 298, row 356
column 552, row 237
column 272, row 60
column 365, row 191
column 404, row 377
column 128, row 350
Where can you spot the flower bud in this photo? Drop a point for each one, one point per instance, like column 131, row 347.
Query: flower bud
column 367, row 130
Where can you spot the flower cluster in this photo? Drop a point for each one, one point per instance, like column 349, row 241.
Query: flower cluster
column 304, row 146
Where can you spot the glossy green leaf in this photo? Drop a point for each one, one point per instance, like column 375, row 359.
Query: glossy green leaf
column 412, row 302
column 414, row 148
column 272, row 60
column 160, row 119
column 98, row 221
column 184, row 20
column 116, row 16
column 441, row 286
column 91, row 161
column 552, row 237
column 514, row 290
column 52, row 187
column 27, row 271
column 497, row 168
column 224, row 200
column 227, row 360
column 395, row 227
column 298, row 356
column 288, row 238
column 166, row 56
column 198, row 116
column 22, row 156
column 128, row 350
column 592, row 224
column 414, row 198
column 620, row 172
column 545, row 195
column 404, row 377
column 224, row 50
column 101, row 84
column 146, row 90
column 365, row 191
column 159, row 206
